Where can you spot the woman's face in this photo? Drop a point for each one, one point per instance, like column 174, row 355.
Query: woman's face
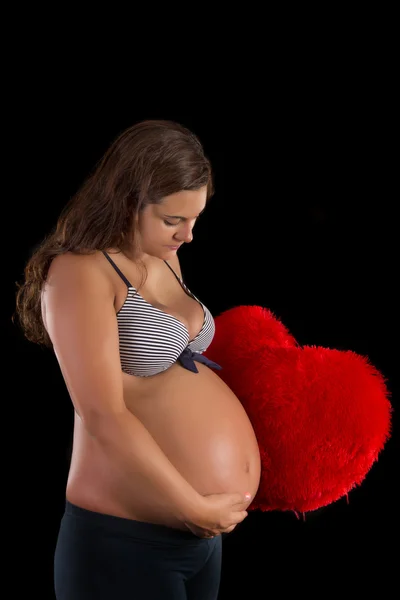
column 164, row 227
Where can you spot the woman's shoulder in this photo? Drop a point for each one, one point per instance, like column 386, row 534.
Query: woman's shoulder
column 76, row 280
column 78, row 267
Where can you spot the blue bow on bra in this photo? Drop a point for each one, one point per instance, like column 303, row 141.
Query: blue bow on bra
column 188, row 357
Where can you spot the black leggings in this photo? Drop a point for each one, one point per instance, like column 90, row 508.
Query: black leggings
column 102, row 557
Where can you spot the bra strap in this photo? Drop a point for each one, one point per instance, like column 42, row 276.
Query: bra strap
column 112, row 263
column 177, row 276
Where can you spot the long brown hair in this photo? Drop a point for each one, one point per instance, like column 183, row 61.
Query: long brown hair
column 146, row 162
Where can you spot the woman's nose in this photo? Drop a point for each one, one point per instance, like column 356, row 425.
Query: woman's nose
column 186, row 235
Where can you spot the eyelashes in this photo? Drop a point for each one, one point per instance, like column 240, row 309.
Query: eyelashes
column 168, row 224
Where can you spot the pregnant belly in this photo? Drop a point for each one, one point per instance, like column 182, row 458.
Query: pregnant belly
column 199, row 424
column 202, row 427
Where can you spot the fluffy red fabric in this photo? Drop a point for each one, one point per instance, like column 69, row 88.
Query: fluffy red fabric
column 321, row 416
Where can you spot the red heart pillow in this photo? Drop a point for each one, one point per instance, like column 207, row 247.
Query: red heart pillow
column 321, row 416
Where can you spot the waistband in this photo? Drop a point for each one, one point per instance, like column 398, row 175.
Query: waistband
column 129, row 527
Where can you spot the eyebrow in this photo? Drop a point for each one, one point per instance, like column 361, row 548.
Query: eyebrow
column 183, row 218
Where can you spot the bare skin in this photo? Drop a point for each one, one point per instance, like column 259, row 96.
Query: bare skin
column 195, row 418
column 197, row 421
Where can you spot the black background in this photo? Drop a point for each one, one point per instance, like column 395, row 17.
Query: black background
column 304, row 222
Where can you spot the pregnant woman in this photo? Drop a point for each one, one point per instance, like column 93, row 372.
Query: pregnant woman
column 164, row 457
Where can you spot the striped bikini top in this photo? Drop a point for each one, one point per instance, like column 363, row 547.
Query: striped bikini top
column 151, row 341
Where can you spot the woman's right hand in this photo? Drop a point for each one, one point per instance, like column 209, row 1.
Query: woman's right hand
column 218, row 513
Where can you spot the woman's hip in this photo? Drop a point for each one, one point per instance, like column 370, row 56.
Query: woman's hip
column 101, row 556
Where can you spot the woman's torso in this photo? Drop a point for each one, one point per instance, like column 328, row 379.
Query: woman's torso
column 195, row 418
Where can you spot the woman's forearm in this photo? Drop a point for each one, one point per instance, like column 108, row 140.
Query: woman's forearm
column 134, row 451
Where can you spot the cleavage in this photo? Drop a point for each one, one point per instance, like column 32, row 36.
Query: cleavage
column 177, row 303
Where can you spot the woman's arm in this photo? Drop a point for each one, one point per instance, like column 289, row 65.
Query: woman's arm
column 79, row 313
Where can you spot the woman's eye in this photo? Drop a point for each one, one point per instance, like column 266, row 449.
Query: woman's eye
column 170, row 224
